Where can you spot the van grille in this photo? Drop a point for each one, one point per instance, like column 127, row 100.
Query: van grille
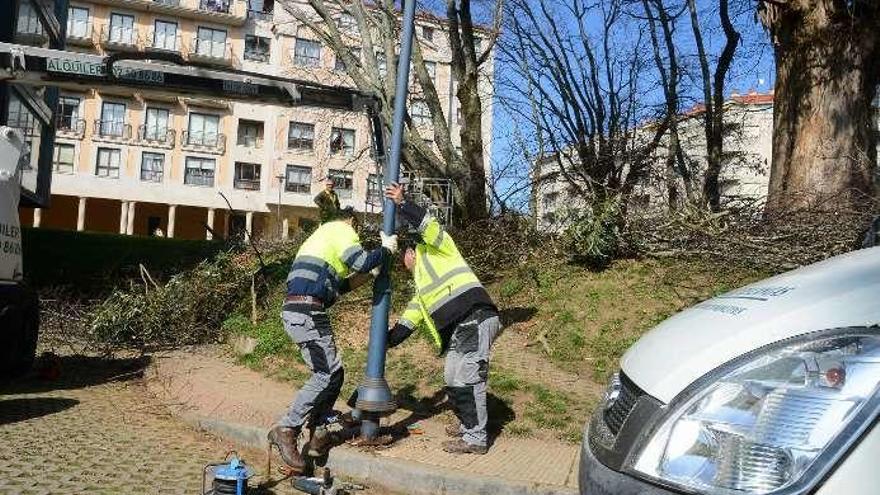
column 616, row 414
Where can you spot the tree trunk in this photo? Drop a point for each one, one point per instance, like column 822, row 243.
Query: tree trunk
column 824, row 141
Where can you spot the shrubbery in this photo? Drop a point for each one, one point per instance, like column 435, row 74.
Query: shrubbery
column 594, row 237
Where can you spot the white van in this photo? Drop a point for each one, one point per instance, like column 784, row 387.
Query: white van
column 768, row 389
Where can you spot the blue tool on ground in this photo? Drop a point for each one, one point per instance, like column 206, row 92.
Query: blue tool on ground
column 229, row 477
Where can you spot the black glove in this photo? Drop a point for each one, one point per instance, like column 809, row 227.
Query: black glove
column 397, row 335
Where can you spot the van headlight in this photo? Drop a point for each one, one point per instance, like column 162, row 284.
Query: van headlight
column 761, row 425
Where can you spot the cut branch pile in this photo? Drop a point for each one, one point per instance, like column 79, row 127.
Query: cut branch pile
column 748, row 236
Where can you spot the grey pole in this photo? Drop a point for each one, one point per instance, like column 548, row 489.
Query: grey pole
column 374, row 396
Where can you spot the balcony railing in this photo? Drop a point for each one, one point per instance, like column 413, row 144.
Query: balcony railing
column 211, row 51
column 204, row 141
column 112, row 129
column 156, row 135
column 249, row 184
column 171, row 3
column 250, row 141
column 260, row 15
column 25, row 122
column 70, row 127
column 80, row 33
column 152, row 175
column 219, row 6
column 163, row 42
column 120, row 38
column 257, row 55
column 195, row 177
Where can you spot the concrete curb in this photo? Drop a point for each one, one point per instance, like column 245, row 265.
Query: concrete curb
column 397, row 475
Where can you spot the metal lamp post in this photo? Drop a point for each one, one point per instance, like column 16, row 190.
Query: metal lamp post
column 374, row 396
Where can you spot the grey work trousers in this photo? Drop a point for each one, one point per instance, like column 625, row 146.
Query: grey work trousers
column 467, row 371
column 310, row 329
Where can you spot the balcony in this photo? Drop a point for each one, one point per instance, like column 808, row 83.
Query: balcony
column 211, row 52
column 29, row 31
column 162, row 43
column 206, row 142
column 80, row 34
column 216, row 6
column 112, row 130
column 230, row 13
column 70, row 127
column 120, row 39
column 260, row 15
column 248, row 184
column 156, row 136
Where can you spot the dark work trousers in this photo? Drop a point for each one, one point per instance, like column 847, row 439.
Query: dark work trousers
column 467, row 371
column 310, row 329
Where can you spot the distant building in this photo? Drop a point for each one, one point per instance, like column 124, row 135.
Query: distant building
column 143, row 161
column 745, row 176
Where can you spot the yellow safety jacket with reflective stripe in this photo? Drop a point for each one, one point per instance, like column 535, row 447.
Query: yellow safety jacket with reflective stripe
column 446, row 289
column 326, row 258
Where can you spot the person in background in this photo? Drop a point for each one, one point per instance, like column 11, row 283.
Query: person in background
column 454, row 308
column 320, row 272
column 327, row 201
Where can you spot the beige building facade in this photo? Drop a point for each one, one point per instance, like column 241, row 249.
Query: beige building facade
column 148, row 162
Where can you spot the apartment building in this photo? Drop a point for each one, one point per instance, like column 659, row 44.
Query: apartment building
column 148, row 162
column 745, row 176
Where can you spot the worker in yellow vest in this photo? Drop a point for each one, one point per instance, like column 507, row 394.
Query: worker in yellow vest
column 454, row 308
column 320, row 272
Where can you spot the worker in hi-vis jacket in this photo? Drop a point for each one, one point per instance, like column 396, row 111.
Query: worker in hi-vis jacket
column 454, row 308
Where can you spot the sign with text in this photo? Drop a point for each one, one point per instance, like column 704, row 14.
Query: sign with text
column 92, row 69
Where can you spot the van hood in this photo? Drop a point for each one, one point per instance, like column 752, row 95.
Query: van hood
column 839, row 292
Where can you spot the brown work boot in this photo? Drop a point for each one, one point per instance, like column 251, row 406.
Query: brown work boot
column 319, row 442
column 453, row 430
column 284, row 438
column 461, row 447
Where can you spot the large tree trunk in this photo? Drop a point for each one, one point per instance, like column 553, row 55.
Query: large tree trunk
column 824, row 142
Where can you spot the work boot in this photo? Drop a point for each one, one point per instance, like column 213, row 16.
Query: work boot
column 319, row 442
column 461, row 447
column 284, row 438
column 453, row 430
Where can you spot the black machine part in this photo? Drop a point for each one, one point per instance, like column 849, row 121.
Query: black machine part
column 20, row 321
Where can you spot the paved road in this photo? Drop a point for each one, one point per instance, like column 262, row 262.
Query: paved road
column 95, row 430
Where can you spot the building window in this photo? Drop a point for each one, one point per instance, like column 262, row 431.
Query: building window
column 68, row 113
column 247, row 176
column 307, row 53
column 215, row 5
column 250, row 133
column 301, row 136
column 340, row 64
column 427, row 33
column 211, row 42
column 112, row 119
column 165, row 36
column 156, row 124
column 152, row 167
column 199, row 171
column 203, row 130
column 107, row 164
column 298, row 179
column 478, row 45
column 342, row 141
column 78, row 23
column 420, row 113
column 62, row 162
column 28, row 20
column 550, row 199
column 346, row 22
column 122, row 29
column 374, row 189
column 429, row 143
column 256, row 48
column 261, row 9
column 20, row 117
column 381, row 64
column 342, row 181
column 431, row 67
